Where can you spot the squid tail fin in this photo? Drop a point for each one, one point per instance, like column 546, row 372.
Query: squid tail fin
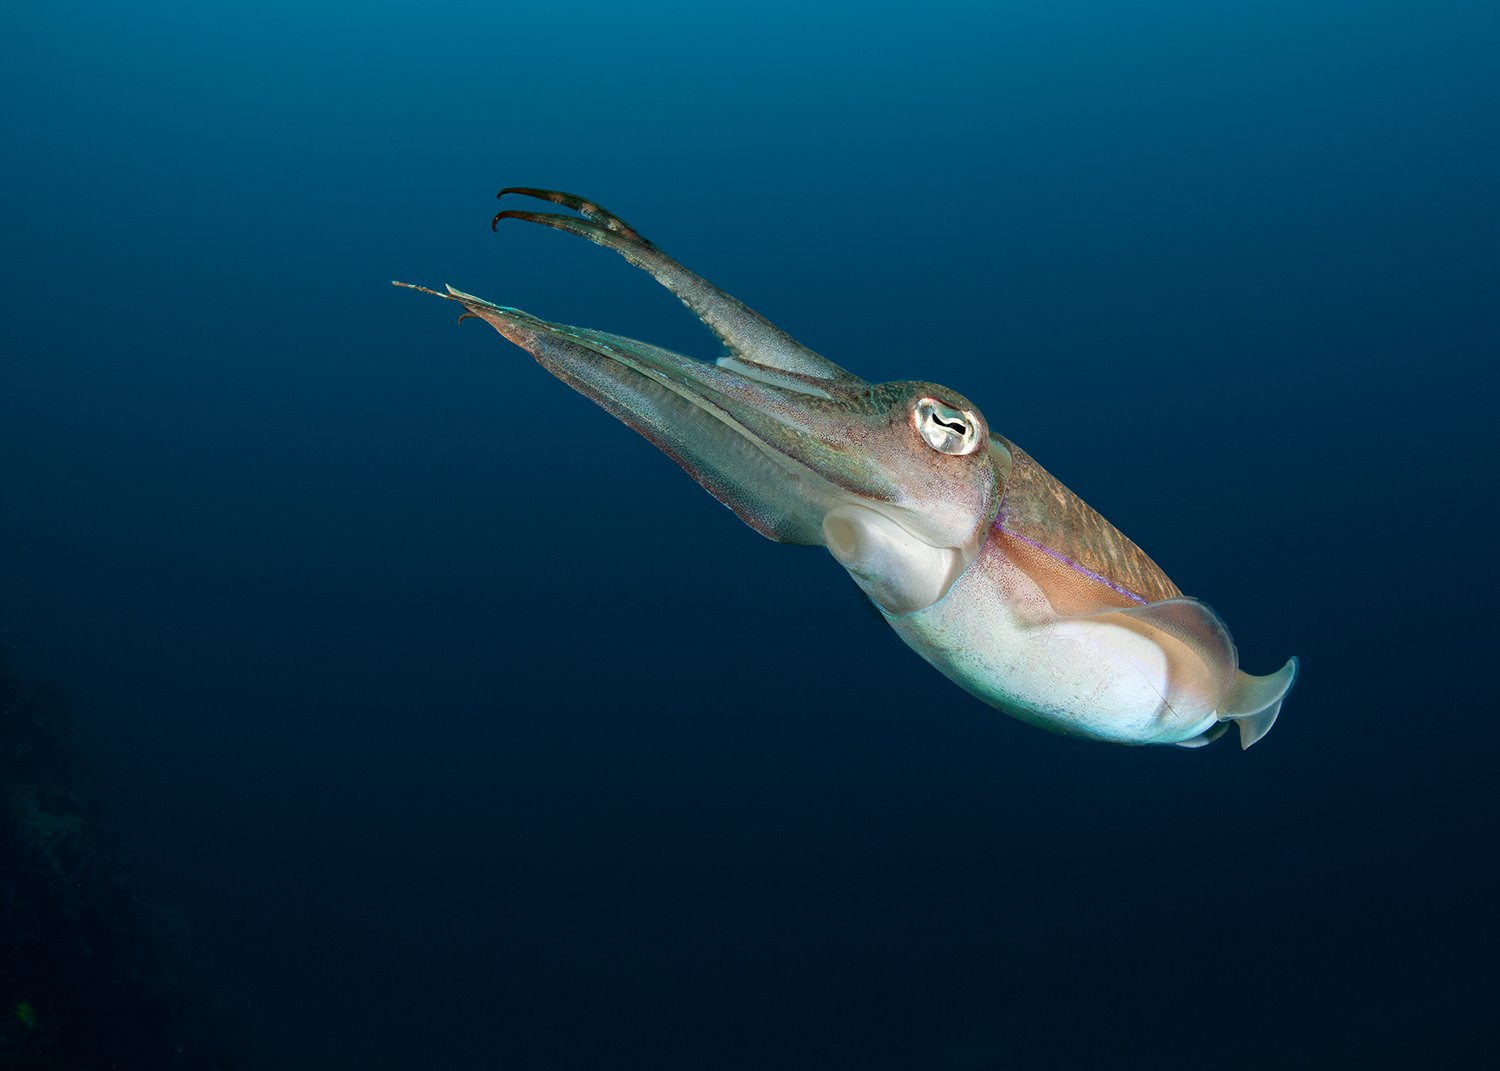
column 1253, row 702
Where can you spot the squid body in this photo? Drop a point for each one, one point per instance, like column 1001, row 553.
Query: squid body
column 986, row 565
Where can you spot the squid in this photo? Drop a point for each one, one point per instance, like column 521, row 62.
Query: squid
column 984, row 563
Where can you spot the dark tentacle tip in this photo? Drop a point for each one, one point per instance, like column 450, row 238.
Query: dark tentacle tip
column 590, row 210
column 557, row 197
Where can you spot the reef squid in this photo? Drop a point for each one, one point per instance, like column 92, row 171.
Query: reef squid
column 986, row 565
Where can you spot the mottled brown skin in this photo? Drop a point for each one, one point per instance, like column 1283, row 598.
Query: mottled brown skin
column 1039, row 508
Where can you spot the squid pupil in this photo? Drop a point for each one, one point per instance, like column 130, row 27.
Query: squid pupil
column 955, row 426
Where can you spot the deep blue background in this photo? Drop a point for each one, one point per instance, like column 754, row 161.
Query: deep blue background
column 459, row 729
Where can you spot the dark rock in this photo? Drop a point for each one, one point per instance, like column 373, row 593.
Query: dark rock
column 88, row 978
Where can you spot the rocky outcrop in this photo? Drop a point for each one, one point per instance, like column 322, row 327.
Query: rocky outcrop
column 87, row 977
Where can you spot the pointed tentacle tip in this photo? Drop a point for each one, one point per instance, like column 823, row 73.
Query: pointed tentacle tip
column 509, row 213
column 451, row 295
column 426, row 290
column 590, row 210
column 555, row 196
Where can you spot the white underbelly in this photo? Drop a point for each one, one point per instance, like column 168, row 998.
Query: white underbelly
column 1109, row 678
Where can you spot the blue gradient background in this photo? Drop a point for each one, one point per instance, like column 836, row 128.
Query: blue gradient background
column 459, row 729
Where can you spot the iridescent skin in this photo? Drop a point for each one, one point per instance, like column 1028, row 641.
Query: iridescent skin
column 981, row 561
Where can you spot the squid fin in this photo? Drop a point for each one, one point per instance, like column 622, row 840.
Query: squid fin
column 1253, row 702
column 1207, row 736
column 1250, row 702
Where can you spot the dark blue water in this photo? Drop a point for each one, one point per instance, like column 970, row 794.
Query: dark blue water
column 457, row 728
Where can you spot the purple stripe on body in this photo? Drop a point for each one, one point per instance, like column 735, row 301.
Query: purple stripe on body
column 999, row 525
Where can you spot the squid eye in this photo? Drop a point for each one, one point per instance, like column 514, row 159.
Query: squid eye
column 945, row 429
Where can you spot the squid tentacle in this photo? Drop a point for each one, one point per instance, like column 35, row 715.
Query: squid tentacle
column 590, row 210
column 744, row 332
